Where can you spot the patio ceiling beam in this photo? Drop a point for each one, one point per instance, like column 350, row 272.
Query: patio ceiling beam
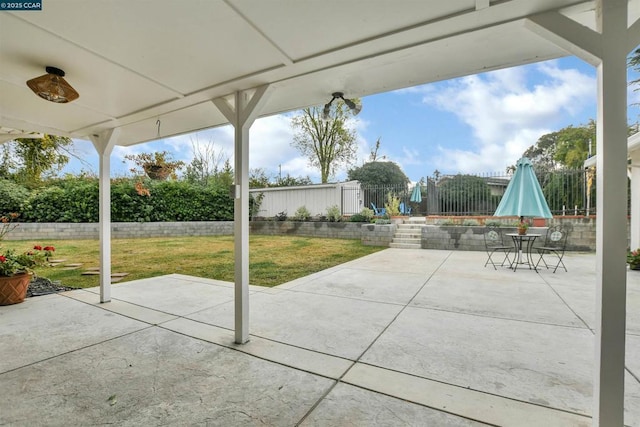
column 431, row 31
column 568, row 34
column 633, row 36
column 104, row 144
column 482, row 4
column 14, row 123
column 607, row 49
column 11, row 136
column 245, row 109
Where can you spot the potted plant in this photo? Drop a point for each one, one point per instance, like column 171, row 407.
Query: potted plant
column 633, row 259
column 157, row 166
column 523, row 226
column 16, row 270
column 392, row 207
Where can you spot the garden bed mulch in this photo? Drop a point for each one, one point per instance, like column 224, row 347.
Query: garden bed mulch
column 43, row 286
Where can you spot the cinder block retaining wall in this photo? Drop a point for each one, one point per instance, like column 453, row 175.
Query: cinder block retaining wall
column 337, row 230
column 581, row 238
column 63, row 230
column 59, row 230
column 460, row 237
column 582, row 235
column 377, row 235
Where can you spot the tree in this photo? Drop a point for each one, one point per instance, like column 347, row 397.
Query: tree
column 379, row 173
column 206, row 162
column 327, row 144
column 569, row 147
column 378, row 179
column 224, row 178
column 463, row 194
column 7, row 163
column 34, row 157
column 574, row 144
column 290, row 181
column 373, row 156
column 633, row 62
column 258, row 178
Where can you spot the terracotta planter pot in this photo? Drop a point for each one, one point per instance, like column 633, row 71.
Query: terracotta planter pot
column 398, row 219
column 522, row 231
column 13, row 289
column 539, row 222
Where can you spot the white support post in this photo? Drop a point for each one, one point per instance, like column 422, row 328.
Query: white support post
column 241, row 231
column 104, row 144
column 242, row 116
column 605, row 48
column 635, row 200
column 611, row 230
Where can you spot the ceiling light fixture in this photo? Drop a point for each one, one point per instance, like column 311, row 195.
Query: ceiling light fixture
column 355, row 108
column 53, row 87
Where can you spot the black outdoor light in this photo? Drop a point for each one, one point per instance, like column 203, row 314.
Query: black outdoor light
column 53, row 87
column 355, row 108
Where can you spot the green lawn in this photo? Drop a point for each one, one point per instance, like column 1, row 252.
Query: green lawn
column 273, row 260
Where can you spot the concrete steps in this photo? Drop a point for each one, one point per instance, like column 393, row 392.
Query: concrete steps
column 409, row 234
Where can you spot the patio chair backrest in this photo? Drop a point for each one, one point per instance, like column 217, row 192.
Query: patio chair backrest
column 377, row 211
column 493, row 236
column 556, row 237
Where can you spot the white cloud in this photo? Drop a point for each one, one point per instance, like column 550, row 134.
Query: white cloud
column 506, row 114
column 270, row 146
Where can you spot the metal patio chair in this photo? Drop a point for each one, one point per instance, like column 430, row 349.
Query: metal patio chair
column 554, row 246
column 378, row 211
column 493, row 242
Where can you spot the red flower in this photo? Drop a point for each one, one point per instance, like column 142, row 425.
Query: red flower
column 3, row 258
column 49, row 248
column 37, row 247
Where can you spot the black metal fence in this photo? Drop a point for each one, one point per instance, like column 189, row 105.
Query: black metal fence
column 568, row 192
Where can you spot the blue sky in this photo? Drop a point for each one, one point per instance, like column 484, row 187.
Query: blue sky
column 479, row 123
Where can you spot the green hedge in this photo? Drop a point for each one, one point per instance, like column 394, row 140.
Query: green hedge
column 12, row 197
column 76, row 200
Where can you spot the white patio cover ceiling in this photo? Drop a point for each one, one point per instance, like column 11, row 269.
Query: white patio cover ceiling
column 137, row 62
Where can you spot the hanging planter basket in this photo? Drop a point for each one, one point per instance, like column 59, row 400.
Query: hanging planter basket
column 157, row 172
column 13, row 289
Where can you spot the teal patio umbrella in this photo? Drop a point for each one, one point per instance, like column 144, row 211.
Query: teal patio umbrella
column 416, row 194
column 523, row 196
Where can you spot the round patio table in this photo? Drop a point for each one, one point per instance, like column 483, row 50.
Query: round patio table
column 518, row 241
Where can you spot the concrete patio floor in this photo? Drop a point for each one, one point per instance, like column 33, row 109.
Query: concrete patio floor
column 400, row 337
